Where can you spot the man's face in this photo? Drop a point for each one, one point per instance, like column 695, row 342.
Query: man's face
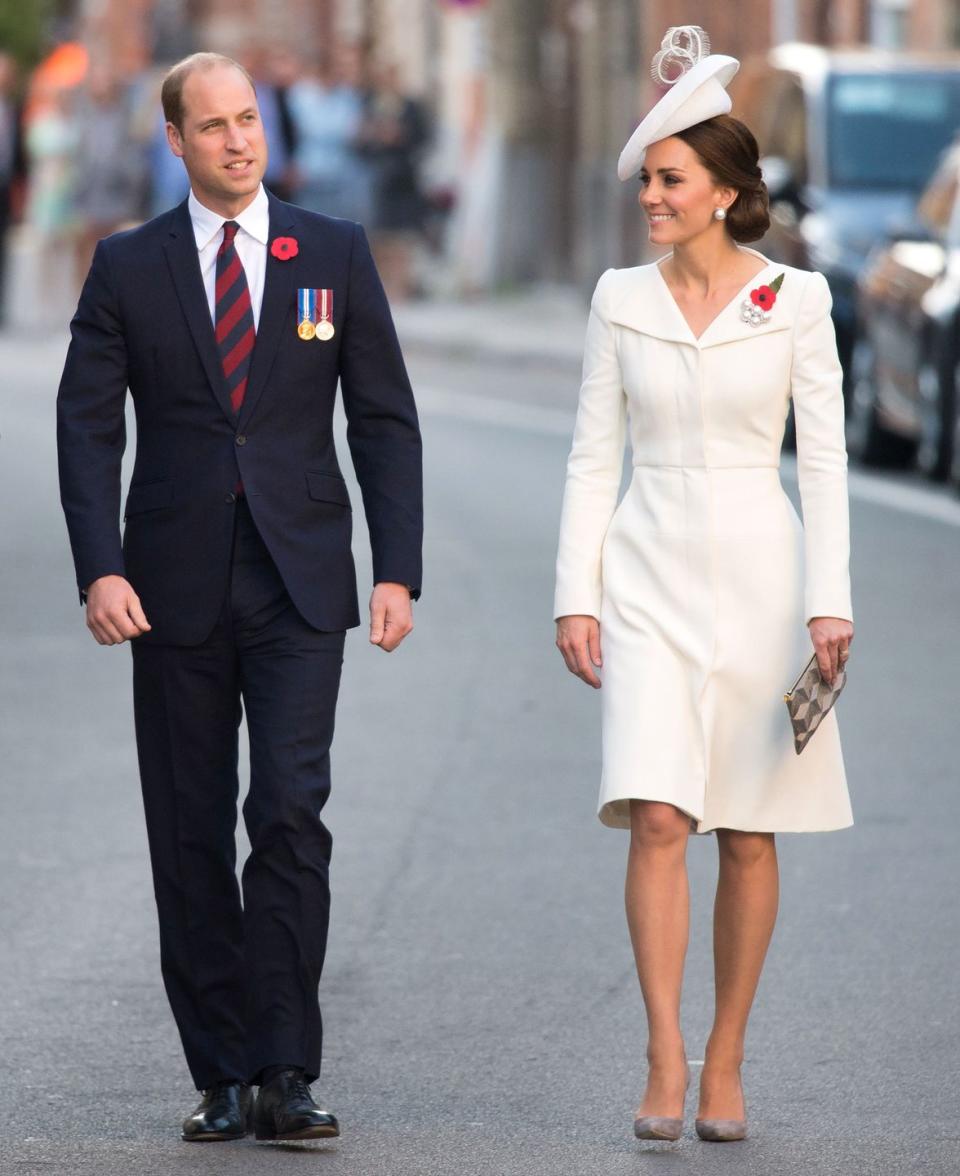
column 222, row 143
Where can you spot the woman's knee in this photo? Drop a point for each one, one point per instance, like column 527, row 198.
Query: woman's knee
column 654, row 824
column 745, row 850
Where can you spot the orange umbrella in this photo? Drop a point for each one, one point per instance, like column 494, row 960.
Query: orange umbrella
column 65, row 67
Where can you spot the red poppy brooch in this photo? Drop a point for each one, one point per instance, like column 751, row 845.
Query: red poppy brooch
column 755, row 310
column 283, row 248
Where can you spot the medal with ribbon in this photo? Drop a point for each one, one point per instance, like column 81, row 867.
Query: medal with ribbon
column 307, row 313
column 325, row 322
column 315, row 314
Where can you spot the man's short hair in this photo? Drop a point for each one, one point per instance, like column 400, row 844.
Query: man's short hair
column 171, row 92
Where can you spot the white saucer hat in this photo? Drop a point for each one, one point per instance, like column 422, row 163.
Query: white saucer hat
column 697, row 79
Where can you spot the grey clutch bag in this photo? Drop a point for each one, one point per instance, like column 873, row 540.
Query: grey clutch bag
column 809, row 700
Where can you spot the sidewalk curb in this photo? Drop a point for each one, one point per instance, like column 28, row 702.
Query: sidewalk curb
column 542, row 327
column 413, row 341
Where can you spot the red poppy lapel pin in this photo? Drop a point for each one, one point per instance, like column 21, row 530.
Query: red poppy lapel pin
column 755, row 310
column 284, row 248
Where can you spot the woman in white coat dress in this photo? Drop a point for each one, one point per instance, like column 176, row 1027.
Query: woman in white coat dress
column 696, row 598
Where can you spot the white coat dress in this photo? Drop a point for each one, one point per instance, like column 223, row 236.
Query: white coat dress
column 702, row 577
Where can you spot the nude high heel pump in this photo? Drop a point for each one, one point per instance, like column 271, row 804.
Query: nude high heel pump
column 660, row 1126
column 722, row 1130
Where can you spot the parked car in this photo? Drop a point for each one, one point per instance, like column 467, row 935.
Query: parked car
column 907, row 360
column 848, row 139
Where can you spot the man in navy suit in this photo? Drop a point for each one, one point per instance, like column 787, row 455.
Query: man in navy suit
column 231, row 320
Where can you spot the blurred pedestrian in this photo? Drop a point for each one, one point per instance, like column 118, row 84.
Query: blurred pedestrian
column 10, row 157
column 169, row 182
column 331, row 176
column 234, row 577
column 50, row 140
column 110, row 174
column 165, row 184
column 274, row 72
column 696, row 600
column 392, row 138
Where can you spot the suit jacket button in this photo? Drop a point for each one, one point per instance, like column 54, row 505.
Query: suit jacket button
column 241, row 439
column 230, row 498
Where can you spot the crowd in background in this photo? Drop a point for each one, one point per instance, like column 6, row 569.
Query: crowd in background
column 83, row 153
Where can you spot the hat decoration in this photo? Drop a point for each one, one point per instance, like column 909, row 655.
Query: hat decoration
column 697, row 81
column 681, row 48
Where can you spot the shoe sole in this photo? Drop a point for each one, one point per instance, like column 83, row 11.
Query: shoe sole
column 713, row 1135
column 292, row 1136
column 213, row 1137
column 660, row 1127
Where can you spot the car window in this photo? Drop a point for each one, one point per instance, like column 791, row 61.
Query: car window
column 887, row 130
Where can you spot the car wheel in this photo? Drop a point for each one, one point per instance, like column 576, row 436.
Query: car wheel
column 940, row 451
column 867, row 438
column 859, row 401
column 950, row 399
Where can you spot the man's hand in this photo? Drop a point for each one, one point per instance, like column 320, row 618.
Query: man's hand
column 114, row 614
column 578, row 639
column 391, row 615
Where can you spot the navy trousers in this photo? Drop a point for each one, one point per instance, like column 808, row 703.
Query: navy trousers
column 241, row 972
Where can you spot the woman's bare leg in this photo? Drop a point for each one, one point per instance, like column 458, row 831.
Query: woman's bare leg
column 658, row 914
column 745, row 912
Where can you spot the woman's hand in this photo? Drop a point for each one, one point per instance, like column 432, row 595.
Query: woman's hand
column 831, row 639
column 578, row 639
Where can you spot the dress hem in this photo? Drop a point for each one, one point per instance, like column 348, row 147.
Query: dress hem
column 609, row 817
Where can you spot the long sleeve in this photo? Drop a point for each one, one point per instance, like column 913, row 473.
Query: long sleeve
column 91, row 433
column 382, row 427
column 594, row 468
column 816, row 386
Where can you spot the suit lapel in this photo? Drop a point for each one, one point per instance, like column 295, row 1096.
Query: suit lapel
column 184, row 262
column 279, row 287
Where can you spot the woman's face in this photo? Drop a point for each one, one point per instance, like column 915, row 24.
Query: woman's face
column 678, row 194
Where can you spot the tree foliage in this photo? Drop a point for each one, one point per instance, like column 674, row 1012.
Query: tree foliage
column 23, row 28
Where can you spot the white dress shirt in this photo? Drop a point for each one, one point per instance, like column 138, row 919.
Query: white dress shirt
column 251, row 242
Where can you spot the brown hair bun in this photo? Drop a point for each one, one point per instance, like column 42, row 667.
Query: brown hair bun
column 728, row 150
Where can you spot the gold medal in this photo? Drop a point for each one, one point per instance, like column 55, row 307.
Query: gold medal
column 324, row 330
column 306, row 330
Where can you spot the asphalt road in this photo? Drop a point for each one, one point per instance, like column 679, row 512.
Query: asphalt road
column 482, row 1013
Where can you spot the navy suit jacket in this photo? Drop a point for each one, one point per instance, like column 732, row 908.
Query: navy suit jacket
column 143, row 323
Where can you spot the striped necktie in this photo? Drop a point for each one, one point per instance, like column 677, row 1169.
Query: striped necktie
column 234, row 317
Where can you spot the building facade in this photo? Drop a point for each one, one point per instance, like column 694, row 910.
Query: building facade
column 531, row 103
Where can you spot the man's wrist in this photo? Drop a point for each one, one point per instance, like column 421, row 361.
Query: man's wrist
column 396, row 583
column 85, row 592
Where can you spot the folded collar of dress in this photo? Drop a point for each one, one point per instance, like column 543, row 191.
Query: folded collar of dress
column 638, row 298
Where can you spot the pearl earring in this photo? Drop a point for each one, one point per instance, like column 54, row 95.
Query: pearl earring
column 720, row 214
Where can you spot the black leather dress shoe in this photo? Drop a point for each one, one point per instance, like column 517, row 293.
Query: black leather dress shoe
column 223, row 1113
column 285, row 1110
